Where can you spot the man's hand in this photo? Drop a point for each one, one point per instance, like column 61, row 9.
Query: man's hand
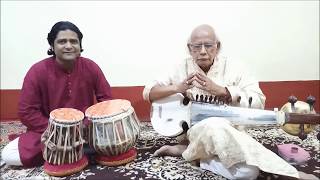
column 186, row 84
column 206, row 84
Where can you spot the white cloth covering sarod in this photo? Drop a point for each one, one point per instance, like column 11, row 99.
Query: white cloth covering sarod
column 215, row 138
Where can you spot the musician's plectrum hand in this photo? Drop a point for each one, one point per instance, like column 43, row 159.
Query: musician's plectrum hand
column 186, row 84
column 206, row 84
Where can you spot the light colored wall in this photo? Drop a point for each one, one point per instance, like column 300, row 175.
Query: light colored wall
column 135, row 41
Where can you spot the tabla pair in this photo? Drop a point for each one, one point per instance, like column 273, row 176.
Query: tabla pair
column 113, row 131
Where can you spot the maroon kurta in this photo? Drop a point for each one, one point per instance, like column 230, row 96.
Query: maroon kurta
column 47, row 87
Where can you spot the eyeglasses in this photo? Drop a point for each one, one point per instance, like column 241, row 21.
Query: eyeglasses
column 198, row 47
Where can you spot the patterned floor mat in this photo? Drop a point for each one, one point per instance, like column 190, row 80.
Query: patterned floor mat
column 147, row 167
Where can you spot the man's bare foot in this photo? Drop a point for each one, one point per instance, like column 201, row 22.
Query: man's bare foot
column 167, row 150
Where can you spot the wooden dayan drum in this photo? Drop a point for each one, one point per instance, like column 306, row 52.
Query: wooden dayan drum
column 113, row 131
column 63, row 143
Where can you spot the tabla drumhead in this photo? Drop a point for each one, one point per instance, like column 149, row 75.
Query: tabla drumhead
column 108, row 108
column 66, row 115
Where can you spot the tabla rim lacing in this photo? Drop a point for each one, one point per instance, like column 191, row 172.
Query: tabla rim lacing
column 103, row 118
column 63, row 121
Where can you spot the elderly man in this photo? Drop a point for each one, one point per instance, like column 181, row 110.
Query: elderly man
column 63, row 80
column 220, row 148
column 207, row 73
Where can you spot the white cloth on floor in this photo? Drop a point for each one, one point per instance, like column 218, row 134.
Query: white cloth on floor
column 218, row 138
column 10, row 153
column 237, row 171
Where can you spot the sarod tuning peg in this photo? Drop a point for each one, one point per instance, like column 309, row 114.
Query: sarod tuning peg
column 239, row 99
column 210, row 99
column 185, row 126
column 311, row 100
column 197, row 96
column 215, row 99
column 186, row 100
column 292, row 99
column 250, row 101
column 206, row 98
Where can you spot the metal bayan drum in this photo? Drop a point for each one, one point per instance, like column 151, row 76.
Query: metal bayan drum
column 63, row 143
column 113, row 131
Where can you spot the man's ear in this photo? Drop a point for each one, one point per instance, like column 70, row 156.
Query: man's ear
column 50, row 51
column 218, row 45
column 189, row 48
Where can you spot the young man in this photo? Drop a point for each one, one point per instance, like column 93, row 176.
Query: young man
column 63, row 80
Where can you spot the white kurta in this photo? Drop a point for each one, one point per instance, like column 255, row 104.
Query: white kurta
column 225, row 150
column 235, row 78
column 223, row 72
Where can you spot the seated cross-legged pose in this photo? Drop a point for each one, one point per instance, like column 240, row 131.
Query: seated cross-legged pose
column 64, row 80
column 218, row 146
